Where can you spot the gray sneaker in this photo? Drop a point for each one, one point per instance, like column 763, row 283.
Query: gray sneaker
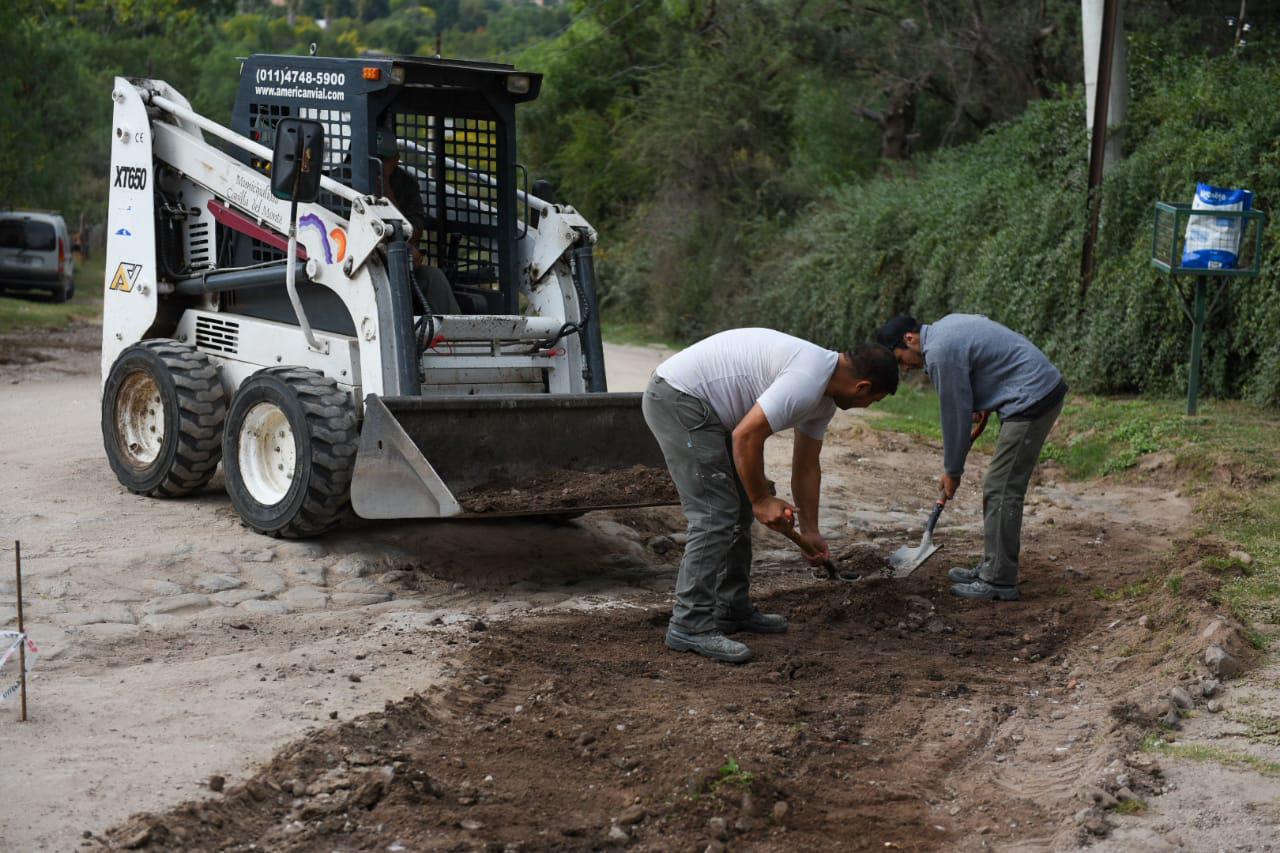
column 756, row 623
column 981, row 589
column 711, row 644
column 965, row 574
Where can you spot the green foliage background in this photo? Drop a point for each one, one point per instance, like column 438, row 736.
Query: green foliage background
column 736, row 158
column 996, row 227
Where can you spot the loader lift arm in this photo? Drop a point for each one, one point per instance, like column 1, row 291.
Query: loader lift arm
column 480, row 401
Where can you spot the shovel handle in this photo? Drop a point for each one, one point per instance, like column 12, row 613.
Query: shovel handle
column 933, row 516
column 791, row 534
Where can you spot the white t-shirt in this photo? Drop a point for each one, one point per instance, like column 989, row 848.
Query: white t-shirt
column 736, row 369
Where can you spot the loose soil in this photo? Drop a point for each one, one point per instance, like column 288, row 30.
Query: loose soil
column 402, row 686
column 638, row 485
column 891, row 715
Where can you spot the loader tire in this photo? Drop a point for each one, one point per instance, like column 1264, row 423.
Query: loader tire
column 289, row 449
column 163, row 407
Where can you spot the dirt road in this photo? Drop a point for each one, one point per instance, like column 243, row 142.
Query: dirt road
column 176, row 644
column 542, row 709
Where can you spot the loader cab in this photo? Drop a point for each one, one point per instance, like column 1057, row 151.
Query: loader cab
column 454, row 122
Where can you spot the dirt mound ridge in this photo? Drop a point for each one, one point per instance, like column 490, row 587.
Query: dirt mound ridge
column 890, row 714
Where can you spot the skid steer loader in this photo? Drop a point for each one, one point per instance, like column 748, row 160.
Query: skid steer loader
column 262, row 310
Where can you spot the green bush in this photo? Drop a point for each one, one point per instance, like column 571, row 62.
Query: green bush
column 996, row 227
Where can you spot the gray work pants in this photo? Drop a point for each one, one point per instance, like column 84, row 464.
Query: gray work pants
column 715, row 573
column 1005, row 488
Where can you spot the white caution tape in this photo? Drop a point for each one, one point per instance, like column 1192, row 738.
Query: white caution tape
column 15, row 640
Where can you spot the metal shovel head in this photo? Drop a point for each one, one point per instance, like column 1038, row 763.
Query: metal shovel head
column 907, row 559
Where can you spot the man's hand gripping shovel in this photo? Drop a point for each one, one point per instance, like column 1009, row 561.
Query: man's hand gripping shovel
column 833, row 573
column 907, row 559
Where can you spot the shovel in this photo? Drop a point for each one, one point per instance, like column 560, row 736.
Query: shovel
column 906, row 559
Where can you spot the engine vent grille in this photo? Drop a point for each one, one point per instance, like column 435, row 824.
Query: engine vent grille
column 217, row 335
column 198, row 244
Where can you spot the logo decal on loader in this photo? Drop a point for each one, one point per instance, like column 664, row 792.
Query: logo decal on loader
column 340, row 240
column 317, row 223
column 126, row 277
column 131, row 178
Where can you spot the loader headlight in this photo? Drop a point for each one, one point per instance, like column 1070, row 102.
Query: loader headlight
column 518, row 84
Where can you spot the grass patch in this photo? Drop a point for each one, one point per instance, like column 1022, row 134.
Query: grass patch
column 1250, row 517
column 634, row 334
column 1134, row 806
column 1094, row 436
column 1216, row 754
column 1129, row 591
column 34, row 310
column 733, row 774
column 1258, row 727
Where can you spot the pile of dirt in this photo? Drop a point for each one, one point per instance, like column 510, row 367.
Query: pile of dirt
column 1170, row 631
column 885, row 718
column 639, row 485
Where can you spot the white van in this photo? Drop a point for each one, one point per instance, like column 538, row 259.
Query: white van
column 35, row 253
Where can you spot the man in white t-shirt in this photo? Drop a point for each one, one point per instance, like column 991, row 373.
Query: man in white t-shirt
column 711, row 407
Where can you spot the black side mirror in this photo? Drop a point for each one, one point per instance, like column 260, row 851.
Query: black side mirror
column 296, row 163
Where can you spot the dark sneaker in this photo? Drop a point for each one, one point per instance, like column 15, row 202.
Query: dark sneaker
column 711, row 644
column 965, row 574
column 979, row 588
column 756, row 623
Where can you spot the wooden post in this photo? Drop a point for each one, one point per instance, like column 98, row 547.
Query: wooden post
column 22, row 643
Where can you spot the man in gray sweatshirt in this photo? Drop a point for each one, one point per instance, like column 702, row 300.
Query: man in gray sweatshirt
column 977, row 365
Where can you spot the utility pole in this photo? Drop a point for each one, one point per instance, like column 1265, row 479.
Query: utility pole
column 1106, row 79
column 1095, row 15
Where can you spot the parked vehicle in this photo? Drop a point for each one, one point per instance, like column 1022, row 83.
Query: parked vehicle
column 35, row 253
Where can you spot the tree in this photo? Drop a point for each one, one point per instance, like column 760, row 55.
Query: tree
column 962, row 66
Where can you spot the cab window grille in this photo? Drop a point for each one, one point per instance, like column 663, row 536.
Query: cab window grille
column 463, row 184
column 337, row 154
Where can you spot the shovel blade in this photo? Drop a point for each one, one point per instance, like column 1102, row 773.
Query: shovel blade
column 907, row 559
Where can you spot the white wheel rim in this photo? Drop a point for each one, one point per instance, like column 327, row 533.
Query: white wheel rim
column 139, row 419
column 268, row 453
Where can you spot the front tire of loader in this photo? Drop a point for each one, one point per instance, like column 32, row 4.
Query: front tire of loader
column 162, row 413
column 288, row 452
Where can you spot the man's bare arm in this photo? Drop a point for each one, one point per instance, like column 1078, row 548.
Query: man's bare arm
column 748, row 457
column 806, row 479
column 806, row 485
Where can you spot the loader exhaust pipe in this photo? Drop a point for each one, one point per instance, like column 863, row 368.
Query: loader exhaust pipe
column 398, row 342
column 584, row 278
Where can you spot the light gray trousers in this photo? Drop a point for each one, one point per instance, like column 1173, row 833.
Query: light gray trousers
column 1003, row 491
column 715, row 574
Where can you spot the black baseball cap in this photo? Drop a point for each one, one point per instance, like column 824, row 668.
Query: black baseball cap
column 890, row 334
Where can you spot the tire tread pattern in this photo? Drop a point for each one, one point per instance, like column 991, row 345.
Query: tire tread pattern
column 332, row 428
column 202, row 408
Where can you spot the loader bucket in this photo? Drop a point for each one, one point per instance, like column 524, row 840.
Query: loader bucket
column 529, row 454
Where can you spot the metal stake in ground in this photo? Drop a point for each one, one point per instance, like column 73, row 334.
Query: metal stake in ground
column 22, row 643
column 1197, row 344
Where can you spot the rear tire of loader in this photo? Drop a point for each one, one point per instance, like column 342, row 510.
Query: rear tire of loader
column 288, row 452
column 162, row 413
